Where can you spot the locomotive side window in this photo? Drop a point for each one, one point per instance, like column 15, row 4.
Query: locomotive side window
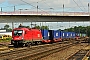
column 18, row 32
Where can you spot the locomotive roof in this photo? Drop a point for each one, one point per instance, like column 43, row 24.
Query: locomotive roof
column 25, row 28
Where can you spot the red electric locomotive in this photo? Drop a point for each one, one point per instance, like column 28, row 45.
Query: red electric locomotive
column 25, row 36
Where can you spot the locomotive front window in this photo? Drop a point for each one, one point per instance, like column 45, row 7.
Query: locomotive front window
column 18, row 32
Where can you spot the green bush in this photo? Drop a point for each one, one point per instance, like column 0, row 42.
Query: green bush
column 8, row 38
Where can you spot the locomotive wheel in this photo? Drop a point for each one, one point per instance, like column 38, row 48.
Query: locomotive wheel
column 29, row 44
column 21, row 45
column 15, row 45
column 38, row 43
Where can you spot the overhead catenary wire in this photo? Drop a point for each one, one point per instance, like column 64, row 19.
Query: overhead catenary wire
column 33, row 5
column 82, row 4
column 42, row 9
column 13, row 7
column 48, row 4
column 17, row 5
column 77, row 4
column 28, row 4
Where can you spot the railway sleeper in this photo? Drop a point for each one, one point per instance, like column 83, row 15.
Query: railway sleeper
column 78, row 55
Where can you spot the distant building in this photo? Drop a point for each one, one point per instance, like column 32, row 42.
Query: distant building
column 6, row 33
column 2, row 30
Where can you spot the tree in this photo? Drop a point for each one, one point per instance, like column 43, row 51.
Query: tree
column 38, row 27
column 9, row 30
column 44, row 27
column 6, row 26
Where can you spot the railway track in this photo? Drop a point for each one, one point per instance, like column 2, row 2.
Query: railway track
column 34, row 53
column 3, row 47
column 79, row 55
column 4, row 44
column 7, row 48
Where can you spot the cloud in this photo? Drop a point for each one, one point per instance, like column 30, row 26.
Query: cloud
column 1, row 1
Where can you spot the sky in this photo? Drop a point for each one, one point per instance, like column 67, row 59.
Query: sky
column 47, row 5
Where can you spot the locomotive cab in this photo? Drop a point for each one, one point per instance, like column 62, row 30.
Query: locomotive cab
column 17, row 37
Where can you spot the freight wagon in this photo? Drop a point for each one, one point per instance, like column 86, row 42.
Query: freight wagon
column 67, row 35
column 50, row 36
column 45, row 34
column 55, row 35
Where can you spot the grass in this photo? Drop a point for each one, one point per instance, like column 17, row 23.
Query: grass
column 6, row 40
